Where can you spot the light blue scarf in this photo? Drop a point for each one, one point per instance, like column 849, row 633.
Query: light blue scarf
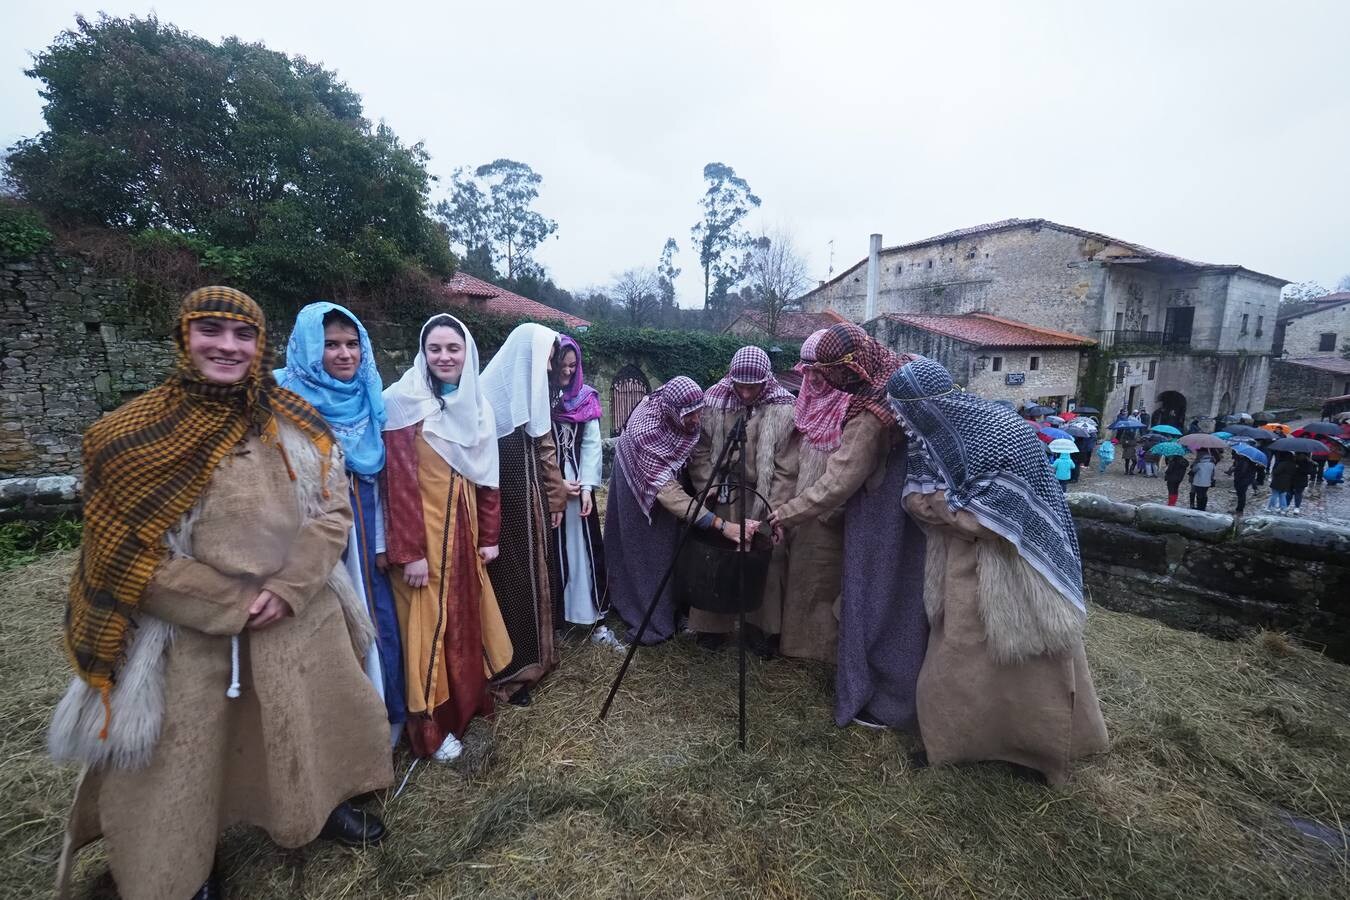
column 353, row 409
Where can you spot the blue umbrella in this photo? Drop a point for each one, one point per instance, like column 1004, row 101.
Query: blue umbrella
column 1251, row 453
column 1168, row 448
column 1239, row 439
column 1125, row 423
column 1166, row 429
column 1223, row 434
column 1055, row 434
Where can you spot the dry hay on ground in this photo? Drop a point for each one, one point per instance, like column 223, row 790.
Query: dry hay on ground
column 1215, row 745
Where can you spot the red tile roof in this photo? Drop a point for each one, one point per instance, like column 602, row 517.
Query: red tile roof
column 1321, row 304
column 984, row 330
column 483, row 295
column 793, row 326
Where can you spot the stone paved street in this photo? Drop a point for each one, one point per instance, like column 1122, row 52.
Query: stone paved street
column 1322, row 502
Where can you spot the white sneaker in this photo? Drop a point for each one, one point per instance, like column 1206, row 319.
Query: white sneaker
column 1295, row 511
column 449, row 750
column 603, row 636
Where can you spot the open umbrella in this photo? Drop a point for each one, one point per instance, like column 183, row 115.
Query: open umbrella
column 1061, row 445
column 1149, row 440
column 1201, row 441
column 1251, row 453
column 1166, row 429
column 1126, row 423
column 1278, row 427
column 1223, row 434
column 1084, row 427
column 1008, row 403
column 1055, row 420
column 1085, row 410
column 1050, row 434
column 1167, row 448
column 1297, row 445
column 1240, row 439
column 1036, row 410
column 1313, row 428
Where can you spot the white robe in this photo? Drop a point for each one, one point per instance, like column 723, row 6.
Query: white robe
column 579, row 606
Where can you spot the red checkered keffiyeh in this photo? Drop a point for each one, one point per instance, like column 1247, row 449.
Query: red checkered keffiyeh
column 655, row 443
column 820, row 407
column 858, row 365
column 749, row 365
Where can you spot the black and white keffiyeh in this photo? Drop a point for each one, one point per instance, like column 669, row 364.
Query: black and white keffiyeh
column 992, row 465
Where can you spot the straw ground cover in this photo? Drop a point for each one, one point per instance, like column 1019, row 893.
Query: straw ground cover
column 1219, row 751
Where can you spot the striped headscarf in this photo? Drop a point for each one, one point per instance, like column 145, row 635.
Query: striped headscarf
column 820, row 408
column 855, row 363
column 656, row 443
column 146, row 464
column 749, row 365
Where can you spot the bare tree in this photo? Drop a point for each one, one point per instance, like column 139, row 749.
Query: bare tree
column 637, row 292
column 776, row 276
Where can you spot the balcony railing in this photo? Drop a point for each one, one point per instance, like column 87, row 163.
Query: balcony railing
column 1150, row 340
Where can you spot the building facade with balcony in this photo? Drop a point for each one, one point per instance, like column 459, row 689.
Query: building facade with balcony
column 1184, row 338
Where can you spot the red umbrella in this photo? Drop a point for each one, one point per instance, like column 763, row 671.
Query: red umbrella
column 1068, row 416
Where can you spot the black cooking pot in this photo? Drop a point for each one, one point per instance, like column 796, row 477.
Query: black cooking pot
column 706, row 575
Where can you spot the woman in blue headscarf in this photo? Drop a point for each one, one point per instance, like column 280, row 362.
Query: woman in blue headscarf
column 1005, row 676
column 330, row 362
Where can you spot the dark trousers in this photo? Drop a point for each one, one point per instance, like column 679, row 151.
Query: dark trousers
column 1199, row 497
column 1241, row 487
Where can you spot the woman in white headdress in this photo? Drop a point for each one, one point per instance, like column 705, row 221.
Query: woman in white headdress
column 533, row 498
column 443, row 506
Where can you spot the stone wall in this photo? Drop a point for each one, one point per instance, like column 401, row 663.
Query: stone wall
column 1204, row 572
column 72, row 345
column 1303, row 387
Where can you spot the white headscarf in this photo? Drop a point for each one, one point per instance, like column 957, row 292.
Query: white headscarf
column 516, row 381
column 462, row 432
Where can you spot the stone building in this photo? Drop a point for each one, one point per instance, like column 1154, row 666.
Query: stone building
column 1320, row 331
column 1180, row 337
column 1307, row 383
column 999, row 359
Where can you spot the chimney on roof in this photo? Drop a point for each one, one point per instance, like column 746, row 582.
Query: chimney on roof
column 873, row 276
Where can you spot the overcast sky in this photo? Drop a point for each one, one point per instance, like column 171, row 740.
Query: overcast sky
column 1218, row 131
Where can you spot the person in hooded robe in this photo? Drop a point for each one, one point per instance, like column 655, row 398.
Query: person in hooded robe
column 1005, row 676
column 216, row 637
column 330, row 362
column 516, row 382
column 577, row 552
column 748, row 391
column 443, row 512
column 803, row 592
column 882, row 627
column 648, row 506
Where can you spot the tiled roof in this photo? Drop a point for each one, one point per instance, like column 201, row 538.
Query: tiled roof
column 1329, row 301
column 984, row 330
column 793, row 326
column 500, row 302
column 1333, row 364
column 1140, row 252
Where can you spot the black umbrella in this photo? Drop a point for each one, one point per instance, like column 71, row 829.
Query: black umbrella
column 1153, row 437
column 1297, row 445
column 1321, row 428
column 1088, row 409
column 1037, row 410
column 1256, row 434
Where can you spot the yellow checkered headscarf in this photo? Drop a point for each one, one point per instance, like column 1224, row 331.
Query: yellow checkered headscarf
column 146, row 464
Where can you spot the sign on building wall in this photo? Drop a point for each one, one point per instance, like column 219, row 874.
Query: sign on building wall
column 1015, row 378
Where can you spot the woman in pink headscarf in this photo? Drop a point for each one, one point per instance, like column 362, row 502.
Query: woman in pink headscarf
column 802, row 593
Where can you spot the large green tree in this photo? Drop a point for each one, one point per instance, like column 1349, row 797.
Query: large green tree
column 231, row 144
column 493, row 208
column 719, row 235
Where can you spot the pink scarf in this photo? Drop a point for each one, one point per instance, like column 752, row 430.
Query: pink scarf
column 819, row 411
column 578, row 402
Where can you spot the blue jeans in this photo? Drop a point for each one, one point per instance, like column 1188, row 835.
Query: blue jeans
column 1278, row 500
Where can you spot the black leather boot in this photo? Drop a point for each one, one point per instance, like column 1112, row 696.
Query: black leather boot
column 351, row 827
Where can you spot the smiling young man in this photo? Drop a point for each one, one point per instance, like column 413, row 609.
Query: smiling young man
column 211, row 623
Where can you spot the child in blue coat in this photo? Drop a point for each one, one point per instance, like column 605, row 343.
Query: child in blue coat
column 1064, row 466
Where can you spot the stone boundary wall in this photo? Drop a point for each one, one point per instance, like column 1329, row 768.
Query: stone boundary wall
column 1206, row 572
